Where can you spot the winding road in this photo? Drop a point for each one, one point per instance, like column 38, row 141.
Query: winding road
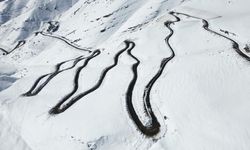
column 64, row 40
column 40, row 84
column 64, row 104
column 19, row 44
column 36, row 88
column 235, row 45
column 150, row 129
column 154, row 127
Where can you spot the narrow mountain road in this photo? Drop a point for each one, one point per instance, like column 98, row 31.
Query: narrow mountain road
column 66, row 103
column 153, row 128
column 19, row 44
column 68, row 42
column 235, row 45
column 150, row 129
column 41, row 82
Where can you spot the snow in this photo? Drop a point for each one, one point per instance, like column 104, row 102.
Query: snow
column 201, row 100
column 6, row 79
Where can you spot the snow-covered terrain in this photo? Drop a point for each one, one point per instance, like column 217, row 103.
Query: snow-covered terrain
column 124, row 74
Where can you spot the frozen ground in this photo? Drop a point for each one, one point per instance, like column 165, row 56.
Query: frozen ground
column 124, row 74
column 5, row 75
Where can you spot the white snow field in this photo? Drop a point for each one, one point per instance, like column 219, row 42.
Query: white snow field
column 124, row 75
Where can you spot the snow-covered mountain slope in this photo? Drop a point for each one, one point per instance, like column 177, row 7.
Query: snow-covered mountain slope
column 124, row 74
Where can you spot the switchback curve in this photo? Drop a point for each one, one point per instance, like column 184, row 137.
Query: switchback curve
column 64, row 104
column 154, row 127
column 19, row 44
column 36, row 88
column 235, row 45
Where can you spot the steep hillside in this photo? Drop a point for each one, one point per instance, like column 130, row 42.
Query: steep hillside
column 124, row 74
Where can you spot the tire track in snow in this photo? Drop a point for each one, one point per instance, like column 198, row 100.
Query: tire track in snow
column 66, row 102
column 153, row 128
column 235, row 45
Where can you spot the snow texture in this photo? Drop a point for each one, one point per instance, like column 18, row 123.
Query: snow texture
column 124, row 74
